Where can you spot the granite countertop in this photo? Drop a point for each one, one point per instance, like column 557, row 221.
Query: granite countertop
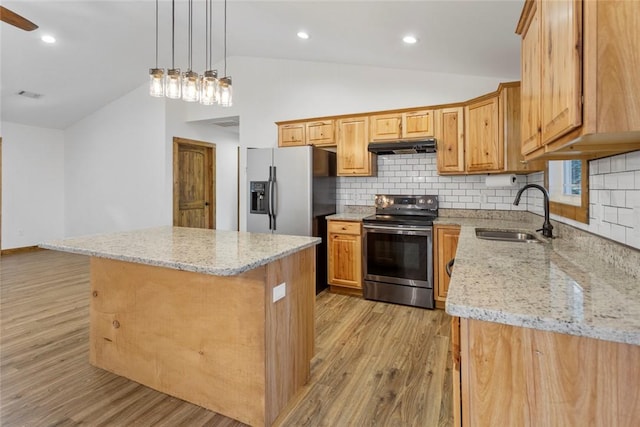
column 552, row 286
column 348, row 216
column 215, row 252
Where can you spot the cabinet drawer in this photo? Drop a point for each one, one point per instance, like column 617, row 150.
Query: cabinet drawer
column 344, row 227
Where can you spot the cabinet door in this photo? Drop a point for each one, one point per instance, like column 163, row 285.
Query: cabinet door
column 561, row 106
column 530, row 87
column 352, row 155
column 456, row 372
column 417, row 124
column 345, row 263
column 446, row 246
column 450, row 139
column 484, row 149
column 385, row 127
column 321, row 133
column 291, row 135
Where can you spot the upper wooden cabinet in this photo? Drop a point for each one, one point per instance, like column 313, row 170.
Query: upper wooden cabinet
column 352, row 155
column 321, row 132
column 449, row 130
column 405, row 125
column 484, row 151
column 580, row 78
column 292, row 135
column 318, row 132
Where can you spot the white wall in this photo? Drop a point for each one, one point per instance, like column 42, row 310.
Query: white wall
column 115, row 174
column 269, row 90
column 32, row 185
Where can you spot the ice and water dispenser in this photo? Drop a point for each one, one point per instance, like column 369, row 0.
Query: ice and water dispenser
column 258, row 191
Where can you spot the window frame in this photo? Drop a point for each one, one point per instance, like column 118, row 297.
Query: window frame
column 578, row 213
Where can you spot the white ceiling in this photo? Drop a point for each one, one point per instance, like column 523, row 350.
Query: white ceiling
column 105, row 48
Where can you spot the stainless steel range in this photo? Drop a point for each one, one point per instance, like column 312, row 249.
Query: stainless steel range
column 398, row 250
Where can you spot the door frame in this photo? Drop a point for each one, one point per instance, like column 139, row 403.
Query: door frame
column 210, row 190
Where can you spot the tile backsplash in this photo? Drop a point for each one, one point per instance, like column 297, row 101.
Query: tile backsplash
column 417, row 174
column 614, row 191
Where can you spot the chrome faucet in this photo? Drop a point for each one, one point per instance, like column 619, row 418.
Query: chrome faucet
column 547, row 228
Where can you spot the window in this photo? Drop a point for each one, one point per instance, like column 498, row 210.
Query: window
column 567, row 181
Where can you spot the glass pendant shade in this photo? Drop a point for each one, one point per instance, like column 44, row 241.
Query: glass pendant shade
column 226, row 92
column 190, row 86
column 209, row 92
column 156, row 82
column 173, row 84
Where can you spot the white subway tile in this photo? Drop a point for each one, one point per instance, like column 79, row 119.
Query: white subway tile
column 611, row 214
column 632, row 199
column 618, row 198
column 604, row 165
column 459, row 192
column 633, row 161
column 626, row 181
column 625, row 217
column 618, row 233
column 473, row 205
column 618, row 163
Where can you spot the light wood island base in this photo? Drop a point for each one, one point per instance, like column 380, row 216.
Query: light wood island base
column 216, row 341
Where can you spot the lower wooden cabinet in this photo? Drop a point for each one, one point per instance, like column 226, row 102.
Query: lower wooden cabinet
column 515, row 376
column 445, row 246
column 345, row 254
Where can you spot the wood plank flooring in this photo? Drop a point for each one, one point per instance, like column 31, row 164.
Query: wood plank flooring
column 376, row 364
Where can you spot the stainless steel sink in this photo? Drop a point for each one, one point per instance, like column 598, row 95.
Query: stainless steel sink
column 506, row 235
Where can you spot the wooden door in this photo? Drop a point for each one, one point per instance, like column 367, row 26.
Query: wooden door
column 385, row 127
column 417, row 124
column 291, row 135
column 450, row 139
column 193, row 184
column 484, row 150
column 352, row 155
column 446, row 246
column 321, row 133
column 345, row 265
column 561, row 27
column 530, row 88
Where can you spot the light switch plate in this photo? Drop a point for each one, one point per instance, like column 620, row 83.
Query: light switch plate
column 279, row 291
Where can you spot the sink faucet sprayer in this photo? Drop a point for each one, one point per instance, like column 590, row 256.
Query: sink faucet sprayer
column 547, row 228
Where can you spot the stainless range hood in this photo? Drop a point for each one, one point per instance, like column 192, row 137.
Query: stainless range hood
column 404, row 147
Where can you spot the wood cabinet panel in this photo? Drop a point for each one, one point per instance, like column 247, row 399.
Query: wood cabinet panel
column 446, row 244
column 561, row 32
column 510, row 118
column 484, row 150
column 292, row 135
column 321, row 133
column 417, row 124
column 450, row 139
column 385, row 127
column 527, row 377
column 352, row 155
column 530, row 85
column 345, row 254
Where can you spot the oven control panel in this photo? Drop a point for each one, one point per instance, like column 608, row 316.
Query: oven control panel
column 395, row 201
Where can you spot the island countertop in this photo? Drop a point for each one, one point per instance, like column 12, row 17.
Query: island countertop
column 215, row 252
column 548, row 286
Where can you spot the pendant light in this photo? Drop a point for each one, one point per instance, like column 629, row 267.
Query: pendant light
column 226, row 90
column 209, row 92
column 156, row 75
column 190, row 79
column 173, row 82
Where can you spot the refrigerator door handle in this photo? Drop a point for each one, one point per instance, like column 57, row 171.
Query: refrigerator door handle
column 274, row 197
column 269, row 198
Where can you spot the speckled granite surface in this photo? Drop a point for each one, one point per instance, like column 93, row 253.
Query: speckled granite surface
column 220, row 253
column 549, row 286
column 348, row 216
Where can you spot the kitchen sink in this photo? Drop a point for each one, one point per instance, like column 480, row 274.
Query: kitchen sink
column 506, row 235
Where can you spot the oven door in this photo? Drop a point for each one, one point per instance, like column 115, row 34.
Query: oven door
column 397, row 255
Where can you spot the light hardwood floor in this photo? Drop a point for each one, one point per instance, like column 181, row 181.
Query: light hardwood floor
column 376, row 364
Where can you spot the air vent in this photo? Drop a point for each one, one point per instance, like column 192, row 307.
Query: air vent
column 31, row 95
column 226, row 122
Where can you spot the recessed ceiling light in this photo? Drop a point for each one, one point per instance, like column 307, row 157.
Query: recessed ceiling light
column 48, row 39
column 409, row 39
column 303, row 35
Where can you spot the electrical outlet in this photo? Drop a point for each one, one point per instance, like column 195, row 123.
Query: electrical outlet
column 279, row 291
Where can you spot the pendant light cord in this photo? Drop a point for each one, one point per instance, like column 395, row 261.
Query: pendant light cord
column 156, row 34
column 190, row 31
column 225, row 38
column 173, row 34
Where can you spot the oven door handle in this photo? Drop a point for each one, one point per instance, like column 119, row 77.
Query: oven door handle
column 418, row 231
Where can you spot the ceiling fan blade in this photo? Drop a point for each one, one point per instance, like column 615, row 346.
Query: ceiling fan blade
column 16, row 20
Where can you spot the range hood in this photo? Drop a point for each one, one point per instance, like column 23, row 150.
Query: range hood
column 404, row 147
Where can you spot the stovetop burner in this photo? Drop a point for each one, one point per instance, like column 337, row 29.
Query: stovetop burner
column 404, row 210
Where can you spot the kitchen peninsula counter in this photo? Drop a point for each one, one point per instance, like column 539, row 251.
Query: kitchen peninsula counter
column 221, row 319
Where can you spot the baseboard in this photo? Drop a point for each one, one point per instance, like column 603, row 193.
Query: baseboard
column 20, row 250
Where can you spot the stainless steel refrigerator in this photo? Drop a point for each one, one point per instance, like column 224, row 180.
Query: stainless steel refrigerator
column 291, row 191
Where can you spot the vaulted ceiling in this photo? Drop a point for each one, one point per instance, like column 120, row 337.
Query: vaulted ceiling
column 105, row 48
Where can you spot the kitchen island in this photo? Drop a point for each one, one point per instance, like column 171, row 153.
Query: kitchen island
column 221, row 319
column 544, row 333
